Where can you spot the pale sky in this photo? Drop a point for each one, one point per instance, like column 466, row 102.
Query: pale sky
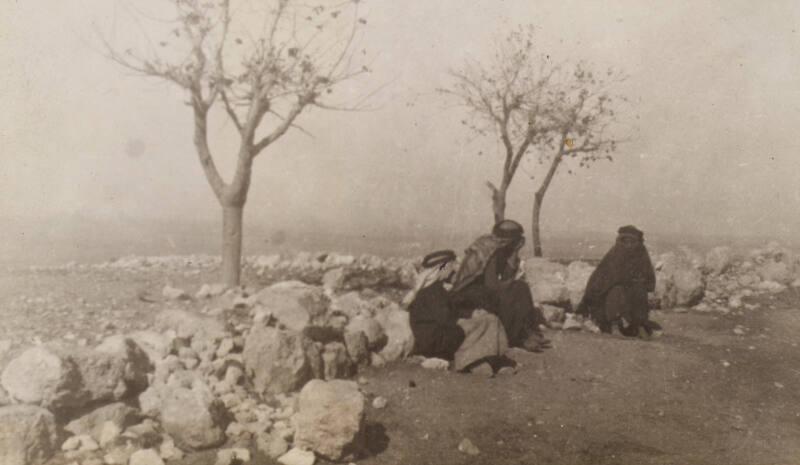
column 715, row 101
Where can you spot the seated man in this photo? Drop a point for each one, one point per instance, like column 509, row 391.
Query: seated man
column 489, row 278
column 433, row 320
column 439, row 330
column 617, row 289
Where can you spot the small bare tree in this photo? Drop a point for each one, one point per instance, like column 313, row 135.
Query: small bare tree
column 579, row 119
column 534, row 107
column 506, row 97
column 263, row 67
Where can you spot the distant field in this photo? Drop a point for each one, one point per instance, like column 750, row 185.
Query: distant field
column 54, row 242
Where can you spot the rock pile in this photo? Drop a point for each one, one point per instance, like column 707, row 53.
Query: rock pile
column 230, row 373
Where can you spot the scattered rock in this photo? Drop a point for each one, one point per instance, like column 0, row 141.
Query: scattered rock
column 168, row 451
column 379, row 402
column 357, row 347
column 553, row 314
column 188, row 325
column 467, row 447
column 297, row 457
column 276, row 360
column 208, row 291
column 145, row 457
column 294, row 304
column 109, row 433
column 27, row 435
column 435, row 364
column 547, row 280
column 678, row 282
column 719, row 260
column 396, row 325
column 60, row 377
column 272, row 445
column 92, row 424
column 192, row 416
column 376, row 337
column 330, row 418
column 578, row 274
column 174, row 293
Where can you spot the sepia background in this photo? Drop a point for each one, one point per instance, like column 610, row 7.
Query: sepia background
column 94, row 155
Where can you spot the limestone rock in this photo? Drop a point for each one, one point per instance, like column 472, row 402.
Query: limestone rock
column 336, row 362
column 400, row 340
column 156, row 345
column 294, row 304
column 719, row 260
column 27, row 435
column 92, row 423
column 297, row 457
column 193, row 417
column 553, row 314
column 174, row 293
column 61, row 377
column 357, row 347
column 137, row 362
column 330, row 418
column 376, row 337
column 547, row 280
column 188, row 325
column 272, row 445
column 276, row 360
column 145, row 457
column 678, row 282
column 578, row 274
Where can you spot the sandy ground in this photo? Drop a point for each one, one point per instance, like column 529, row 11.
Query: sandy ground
column 700, row 394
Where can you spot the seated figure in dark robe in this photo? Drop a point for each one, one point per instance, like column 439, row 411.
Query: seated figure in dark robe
column 432, row 317
column 489, row 278
column 617, row 289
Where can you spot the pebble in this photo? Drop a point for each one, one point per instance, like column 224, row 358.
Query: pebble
column 726, row 363
column 467, row 447
column 778, row 385
column 435, row 364
column 379, row 402
column 297, row 457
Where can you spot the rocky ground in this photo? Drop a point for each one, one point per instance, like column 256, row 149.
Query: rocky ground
column 137, row 361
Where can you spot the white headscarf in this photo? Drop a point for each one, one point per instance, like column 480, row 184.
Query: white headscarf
column 425, row 278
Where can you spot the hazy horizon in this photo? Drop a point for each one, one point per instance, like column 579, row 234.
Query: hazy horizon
column 713, row 89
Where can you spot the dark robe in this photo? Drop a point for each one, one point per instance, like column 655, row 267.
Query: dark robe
column 433, row 322
column 617, row 289
column 497, row 292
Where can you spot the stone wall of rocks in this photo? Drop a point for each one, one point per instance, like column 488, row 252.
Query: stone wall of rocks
column 229, row 373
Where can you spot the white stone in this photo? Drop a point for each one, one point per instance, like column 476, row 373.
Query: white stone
column 146, row 457
column 297, row 457
column 28, row 435
column 330, row 418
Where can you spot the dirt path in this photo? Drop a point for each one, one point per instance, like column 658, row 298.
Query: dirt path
column 606, row 400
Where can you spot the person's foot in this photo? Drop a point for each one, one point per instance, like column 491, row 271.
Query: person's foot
column 536, row 342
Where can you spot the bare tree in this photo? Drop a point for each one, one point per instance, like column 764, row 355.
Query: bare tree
column 264, row 66
column 533, row 106
column 579, row 119
column 506, row 97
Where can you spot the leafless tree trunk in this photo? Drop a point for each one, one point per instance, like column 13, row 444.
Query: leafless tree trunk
column 538, row 198
column 277, row 77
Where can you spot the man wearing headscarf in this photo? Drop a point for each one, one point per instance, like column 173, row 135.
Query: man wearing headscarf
column 617, row 289
column 433, row 319
column 489, row 279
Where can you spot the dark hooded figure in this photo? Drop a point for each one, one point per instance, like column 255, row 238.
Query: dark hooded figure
column 617, row 289
column 432, row 317
column 488, row 279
